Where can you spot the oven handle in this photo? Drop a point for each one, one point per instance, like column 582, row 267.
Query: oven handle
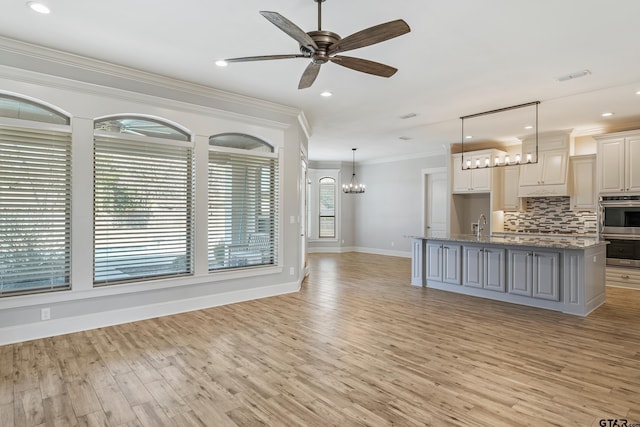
column 619, row 204
column 621, row 237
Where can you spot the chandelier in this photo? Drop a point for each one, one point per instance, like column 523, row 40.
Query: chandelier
column 528, row 156
column 353, row 187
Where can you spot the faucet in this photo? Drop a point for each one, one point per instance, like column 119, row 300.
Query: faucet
column 480, row 228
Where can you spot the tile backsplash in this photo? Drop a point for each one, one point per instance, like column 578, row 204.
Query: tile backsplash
column 550, row 215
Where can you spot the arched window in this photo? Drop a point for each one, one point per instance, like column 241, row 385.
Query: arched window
column 35, row 197
column 243, row 202
column 143, row 200
column 327, row 198
column 241, row 142
column 142, row 126
column 25, row 109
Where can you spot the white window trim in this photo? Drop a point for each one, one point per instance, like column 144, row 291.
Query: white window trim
column 314, row 176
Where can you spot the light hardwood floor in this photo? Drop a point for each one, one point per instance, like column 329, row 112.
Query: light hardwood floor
column 356, row 346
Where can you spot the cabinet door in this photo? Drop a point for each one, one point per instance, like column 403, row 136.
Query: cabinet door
column 434, row 261
column 510, row 199
column 584, row 188
column 546, row 275
column 520, row 273
column 530, row 174
column 472, row 261
column 451, row 264
column 611, row 165
column 480, row 177
column 461, row 178
column 632, row 160
column 494, row 269
column 554, row 167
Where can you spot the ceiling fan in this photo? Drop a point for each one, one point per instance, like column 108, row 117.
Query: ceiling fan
column 323, row 46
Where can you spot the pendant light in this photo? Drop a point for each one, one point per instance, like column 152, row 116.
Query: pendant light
column 353, row 187
column 520, row 158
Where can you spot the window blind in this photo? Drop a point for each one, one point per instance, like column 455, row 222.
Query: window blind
column 327, row 198
column 35, row 205
column 143, row 209
column 243, row 209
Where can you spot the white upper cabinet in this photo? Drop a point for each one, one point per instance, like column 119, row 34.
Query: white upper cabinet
column 476, row 176
column 583, row 180
column 619, row 162
column 549, row 176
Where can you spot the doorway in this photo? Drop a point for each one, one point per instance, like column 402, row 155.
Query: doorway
column 436, row 201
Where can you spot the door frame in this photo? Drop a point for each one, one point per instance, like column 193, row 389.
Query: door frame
column 425, row 177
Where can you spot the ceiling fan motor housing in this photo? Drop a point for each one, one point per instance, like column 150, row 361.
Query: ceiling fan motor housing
column 324, row 40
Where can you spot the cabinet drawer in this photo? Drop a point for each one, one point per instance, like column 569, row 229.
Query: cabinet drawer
column 623, row 277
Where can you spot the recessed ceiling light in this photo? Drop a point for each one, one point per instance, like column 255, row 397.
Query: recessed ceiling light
column 469, row 136
column 607, row 114
column 638, row 92
column 38, row 7
column 221, row 63
column 528, row 127
column 326, row 94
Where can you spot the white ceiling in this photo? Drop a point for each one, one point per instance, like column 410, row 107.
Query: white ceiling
column 461, row 57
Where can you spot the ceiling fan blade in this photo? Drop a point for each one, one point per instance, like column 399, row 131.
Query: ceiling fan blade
column 265, row 58
column 364, row 65
column 291, row 29
column 309, row 75
column 371, row 35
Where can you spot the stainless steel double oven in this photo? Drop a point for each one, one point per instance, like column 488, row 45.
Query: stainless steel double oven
column 620, row 225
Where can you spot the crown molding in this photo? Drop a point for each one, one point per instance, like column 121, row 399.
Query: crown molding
column 167, row 87
column 442, row 151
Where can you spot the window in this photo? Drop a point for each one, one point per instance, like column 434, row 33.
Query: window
column 143, row 200
column 327, row 190
column 324, row 205
column 243, row 202
column 35, row 198
column 24, row 109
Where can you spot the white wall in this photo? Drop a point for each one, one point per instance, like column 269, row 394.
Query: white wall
column 345, row 238
column 392, row 206
column 85, row 307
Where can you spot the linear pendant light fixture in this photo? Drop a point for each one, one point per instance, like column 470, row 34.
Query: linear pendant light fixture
column 522, row 158
column 353, row 187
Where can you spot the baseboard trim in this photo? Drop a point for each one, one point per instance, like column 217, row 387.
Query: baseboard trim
column 49, row 328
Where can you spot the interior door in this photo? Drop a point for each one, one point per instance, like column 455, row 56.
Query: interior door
column 304, row 212
column 436, row 202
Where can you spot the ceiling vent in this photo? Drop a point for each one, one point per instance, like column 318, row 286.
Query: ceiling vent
column 572, row 76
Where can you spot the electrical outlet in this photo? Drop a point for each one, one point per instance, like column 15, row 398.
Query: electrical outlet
column 393, row 244
column 292, row 271
column 45, row 314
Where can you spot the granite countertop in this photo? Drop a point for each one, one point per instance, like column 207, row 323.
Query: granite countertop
column 555, row 242
column 544, row 234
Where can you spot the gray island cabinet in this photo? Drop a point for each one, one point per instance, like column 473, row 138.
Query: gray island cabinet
column 554, row 273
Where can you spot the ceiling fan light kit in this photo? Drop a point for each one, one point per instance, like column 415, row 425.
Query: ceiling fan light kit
column 323, row 46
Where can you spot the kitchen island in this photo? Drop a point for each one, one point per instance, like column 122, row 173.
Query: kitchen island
column 555, row 273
